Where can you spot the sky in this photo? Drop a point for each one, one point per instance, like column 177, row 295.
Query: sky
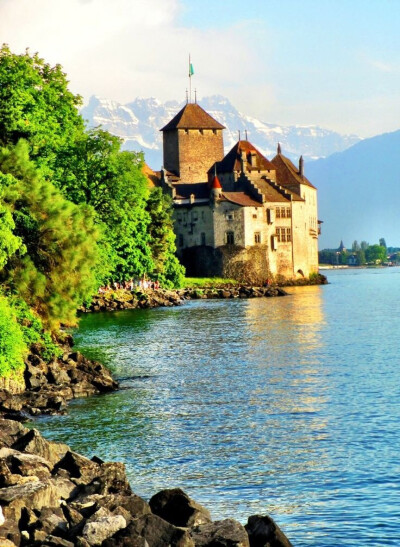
column 331, row 63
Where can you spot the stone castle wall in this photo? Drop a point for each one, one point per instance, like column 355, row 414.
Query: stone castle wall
column 199, row 149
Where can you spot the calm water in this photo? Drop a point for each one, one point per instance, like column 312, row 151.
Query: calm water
column 286, row 406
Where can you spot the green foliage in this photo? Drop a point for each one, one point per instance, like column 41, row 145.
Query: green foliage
column 208, row 282
column 9, row 242
column 57, row 270
column 96, row 172
column 33, row 330
column 376, row 254
column 167, row 268
column 12, row 345
column 361, row 260
column 36, row 105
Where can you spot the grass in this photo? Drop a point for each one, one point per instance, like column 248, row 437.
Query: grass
column 207, row 282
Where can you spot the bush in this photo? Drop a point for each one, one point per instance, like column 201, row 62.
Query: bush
column 13, row 347
column 33, row 331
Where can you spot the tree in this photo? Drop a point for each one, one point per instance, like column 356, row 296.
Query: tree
column 375, row 253
column 12, row 346
column 167, row 268
column 94, row 171
column 36, row 105
column 355, row 247
column 360, row 254
column 364, row 245
column 55, row 271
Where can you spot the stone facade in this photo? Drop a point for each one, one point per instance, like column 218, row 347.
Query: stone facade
column 238, row 215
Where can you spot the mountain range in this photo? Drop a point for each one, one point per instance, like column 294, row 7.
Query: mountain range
column 139, row 122
column 359, row 192
column 357, row 180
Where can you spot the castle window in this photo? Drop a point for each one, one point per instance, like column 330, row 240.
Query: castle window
column 202, row 215
column 230, row 238
column 229, row 215
column 283, row 212
column 283, row 235
column 278, row 212
column 255, row 213
column 257, row 237
column 203, row 238
column 288, row 212
column 195, row 216
column 180, row 240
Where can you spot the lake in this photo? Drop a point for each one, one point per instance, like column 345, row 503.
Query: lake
column 286, row 406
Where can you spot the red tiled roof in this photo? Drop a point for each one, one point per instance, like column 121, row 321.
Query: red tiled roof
column 287, row 174
column 232, row 160
column 192, row 116
column 241, row 198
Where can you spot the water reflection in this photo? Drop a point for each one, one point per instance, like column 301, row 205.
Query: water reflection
column 288, row 406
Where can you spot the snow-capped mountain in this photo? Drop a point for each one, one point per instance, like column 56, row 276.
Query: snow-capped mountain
column 138, row 123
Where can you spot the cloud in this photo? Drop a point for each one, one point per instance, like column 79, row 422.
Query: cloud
column 125, row 48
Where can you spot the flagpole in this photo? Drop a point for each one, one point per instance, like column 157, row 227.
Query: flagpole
column 190, row 83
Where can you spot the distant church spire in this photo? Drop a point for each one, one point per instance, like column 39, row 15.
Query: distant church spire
column 279, row 148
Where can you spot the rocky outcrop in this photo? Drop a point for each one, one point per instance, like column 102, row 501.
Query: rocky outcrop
column 127, row 300
column 52, row 496
column 49, row 386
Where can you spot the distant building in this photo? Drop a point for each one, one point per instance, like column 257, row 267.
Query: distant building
column 238, row 215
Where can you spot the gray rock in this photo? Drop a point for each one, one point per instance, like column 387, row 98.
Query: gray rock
column 177, row 508
column 97, row 531
column 222, row 533
column 264, row 532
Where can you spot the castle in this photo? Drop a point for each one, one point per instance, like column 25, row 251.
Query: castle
column 237, row 215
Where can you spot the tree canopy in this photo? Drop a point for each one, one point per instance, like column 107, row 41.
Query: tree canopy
column 75, row 209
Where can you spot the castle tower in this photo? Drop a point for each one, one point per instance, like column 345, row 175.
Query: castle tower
column 192, row 143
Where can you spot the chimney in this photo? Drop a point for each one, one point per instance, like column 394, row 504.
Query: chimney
column 279, row 151
column 243, row 159
column 301, row 166
column 191, row 199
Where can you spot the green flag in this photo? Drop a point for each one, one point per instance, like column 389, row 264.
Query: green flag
column 191, row 69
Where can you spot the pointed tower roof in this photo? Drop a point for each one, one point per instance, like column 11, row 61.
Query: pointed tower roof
column 215, row 183
column 232, row 160
column 287, row 172
column 192, row 116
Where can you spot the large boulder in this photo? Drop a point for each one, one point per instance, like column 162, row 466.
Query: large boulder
column 101, row 526
column 35, row 494
column 33, row 443
column 264, row 532
column 177, row 508
column 222, row 533
column 157, row 533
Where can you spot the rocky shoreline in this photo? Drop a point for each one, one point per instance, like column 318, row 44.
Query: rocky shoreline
column 126, row 300
column 46, row 388
column 52, row 496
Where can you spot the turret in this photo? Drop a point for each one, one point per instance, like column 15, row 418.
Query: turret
column 216, row 188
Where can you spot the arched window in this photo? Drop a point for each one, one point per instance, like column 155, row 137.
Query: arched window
column 230, row 238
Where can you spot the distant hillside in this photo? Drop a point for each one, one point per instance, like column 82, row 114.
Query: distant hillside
column 359, row 192
column 139, row 122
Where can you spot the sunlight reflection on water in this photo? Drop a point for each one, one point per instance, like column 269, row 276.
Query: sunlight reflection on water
column 286, row 406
